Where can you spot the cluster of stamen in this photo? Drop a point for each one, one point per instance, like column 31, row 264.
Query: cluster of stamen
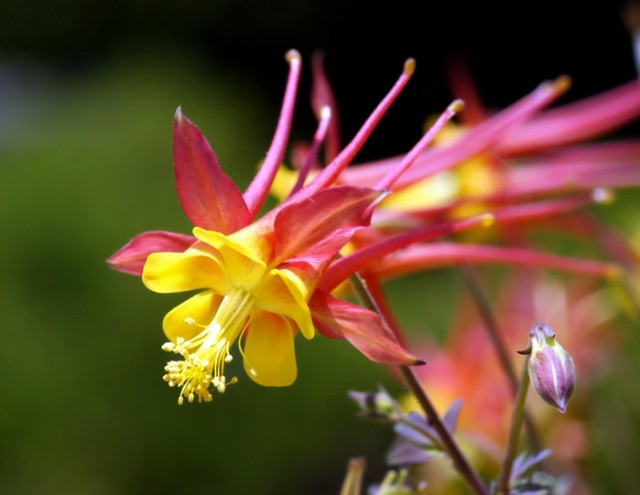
column 206, row 354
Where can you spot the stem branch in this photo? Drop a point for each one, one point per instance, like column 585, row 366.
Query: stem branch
column 514, row 433
column 479, row 295
column 447, row 441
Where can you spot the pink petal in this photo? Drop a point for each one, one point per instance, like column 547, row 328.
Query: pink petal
column 208, row 197
column 322, row 96
column 584, row 119
column 305, row 223
column 372, row 254
column 257, row 191
column 362, row 328
column 330, row 174
column 548, row 176
column 409, row 159
column 324, row 120
column 463, row 87
column 313, row 262
column 426, row 256
column 478, row 139
column 526, row 212
column 132, row 257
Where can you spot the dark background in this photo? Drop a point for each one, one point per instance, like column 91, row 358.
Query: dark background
column 87, row 94
column 510, row 47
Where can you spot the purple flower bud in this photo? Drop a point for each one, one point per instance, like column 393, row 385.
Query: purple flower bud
column 377, row 405
column 551, row 368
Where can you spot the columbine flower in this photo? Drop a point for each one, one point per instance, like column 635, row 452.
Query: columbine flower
column 263, row 281
column 551, row 368
column 259, row 281
column 505, row 162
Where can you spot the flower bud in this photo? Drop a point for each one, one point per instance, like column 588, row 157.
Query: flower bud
column 551, row 368
column 377, row 405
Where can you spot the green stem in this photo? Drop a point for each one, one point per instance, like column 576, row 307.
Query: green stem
column 514, row 433
column 447, row 441
column 479, row 295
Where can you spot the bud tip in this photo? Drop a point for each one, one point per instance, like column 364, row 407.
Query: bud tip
column 603, row 195
column 293, row 56
column 562, row 84
column 409, row 66
column 456, row 106
column 551, row 368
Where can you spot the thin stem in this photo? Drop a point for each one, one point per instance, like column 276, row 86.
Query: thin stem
column 460, row 461
column 479, row 295
column 456, row 455
column 514, row 434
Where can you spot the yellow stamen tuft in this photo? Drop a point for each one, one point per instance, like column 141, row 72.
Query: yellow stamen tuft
column 206, row 354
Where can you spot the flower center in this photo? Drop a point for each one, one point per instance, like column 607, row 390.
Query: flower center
column 206, row 354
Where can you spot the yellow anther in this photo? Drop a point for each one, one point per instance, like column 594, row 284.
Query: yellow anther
column 206, row 354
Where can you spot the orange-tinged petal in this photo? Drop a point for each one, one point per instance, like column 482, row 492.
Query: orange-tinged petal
column 269, row 353
column 208, row 197
column 132, row 257
column 433, row 255
column 362, row 328
column 574, row 122
column 178, row 272
column 305, row 223
column 283, row 293
column 188, row 319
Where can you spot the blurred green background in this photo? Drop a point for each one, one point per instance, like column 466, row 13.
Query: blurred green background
column 87, row 95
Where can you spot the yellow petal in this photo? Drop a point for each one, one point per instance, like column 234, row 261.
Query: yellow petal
column 283, row 293
column 178, row 272
column 188, row 319
column 269, row 354
column 243, row 263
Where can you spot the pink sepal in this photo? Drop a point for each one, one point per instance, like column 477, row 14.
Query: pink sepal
column 362, row 328
column 306, row 225
column 132, row 257
column 208, row 197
